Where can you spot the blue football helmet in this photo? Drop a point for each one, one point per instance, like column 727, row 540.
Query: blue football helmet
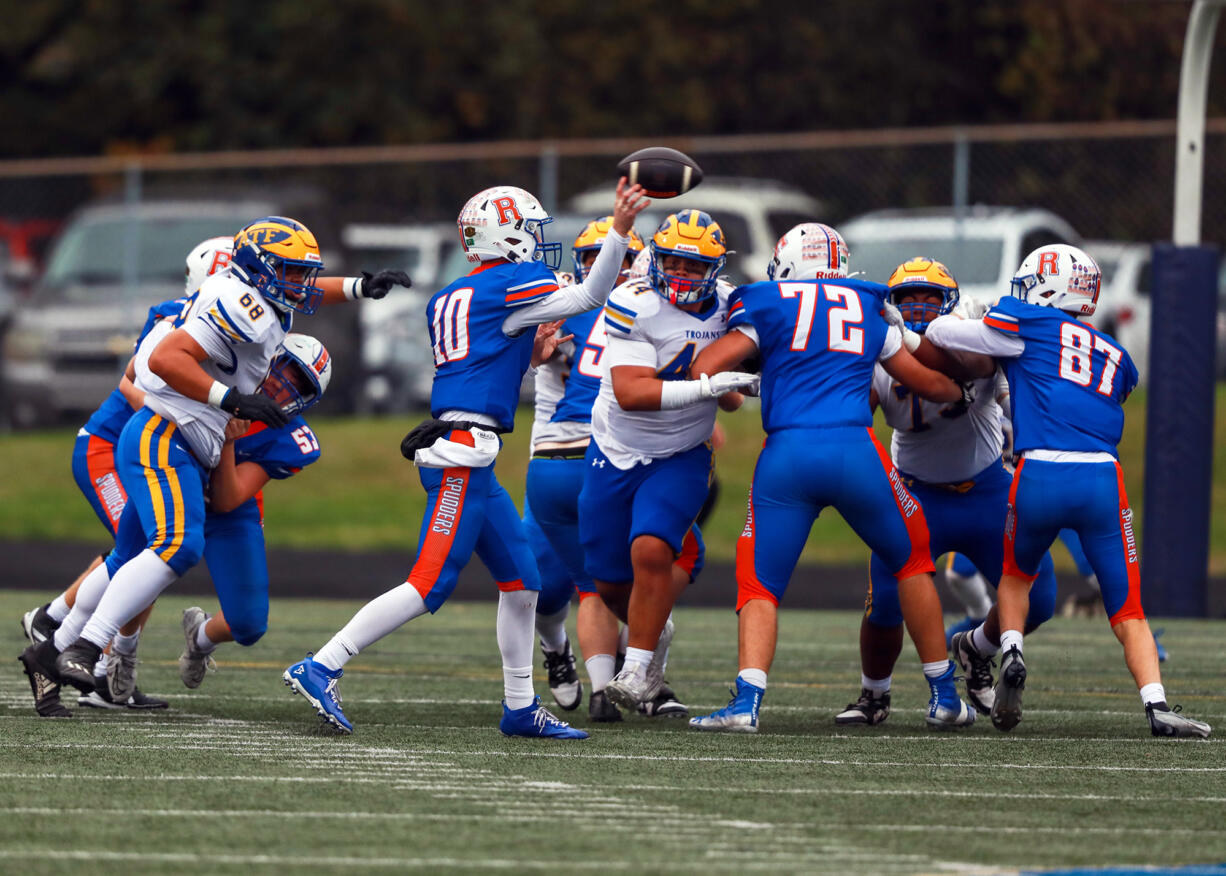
column 280, row 258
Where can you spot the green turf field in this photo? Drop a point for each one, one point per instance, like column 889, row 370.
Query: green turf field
column 238, row 777
column 362, row 495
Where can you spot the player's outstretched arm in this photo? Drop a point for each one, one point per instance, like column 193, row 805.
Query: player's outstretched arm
column 231, row 484
column 724, row 354
column 963, row 365
column 338, row 290
column 920, row 379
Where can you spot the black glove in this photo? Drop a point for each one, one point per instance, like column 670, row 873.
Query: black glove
column 380, row 284
column 255, row 406
column 424, row 435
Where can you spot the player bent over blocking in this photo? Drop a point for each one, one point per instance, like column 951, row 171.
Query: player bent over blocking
column 1068, row 382
column 196, row 373
column 819, row 336
column 479, row 327
column 949, row 457
column 648, row 467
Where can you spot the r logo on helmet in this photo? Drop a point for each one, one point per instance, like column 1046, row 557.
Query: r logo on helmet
column 507, row 211
column 1048, row 263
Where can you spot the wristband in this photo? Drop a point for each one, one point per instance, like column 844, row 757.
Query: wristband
column 217, row 392
column 683, row 393
column 352, row 287
column 911, row 340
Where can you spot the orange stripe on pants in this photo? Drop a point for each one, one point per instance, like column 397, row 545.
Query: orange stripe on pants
column 1131, row 609
column 100, row 463
column 432, row 555
column 1009, row 565
column 747, row 584
column 920, row 560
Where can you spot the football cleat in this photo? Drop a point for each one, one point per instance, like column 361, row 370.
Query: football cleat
column 655, row 669
column 193, row 663
column 76, row 664
column 739, row 716
column 978, row 672
column 945, row 708
column 965, row 625
column 100, row 698
column 600, row 710
column 564, row 681
column 1168, row 722
column 536, row 722
column 1007, row 709
column 38, row 625
column 870, row 709
column 120, row 675
column 632, row 687
column 38, row 661
column 665, row 705
column 318, row 685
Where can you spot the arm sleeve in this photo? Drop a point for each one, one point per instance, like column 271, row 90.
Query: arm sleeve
column 550, row 387
column 626, row 351
column 973, row 336
column 893, row 343
column 581, row 297
column 750, row 332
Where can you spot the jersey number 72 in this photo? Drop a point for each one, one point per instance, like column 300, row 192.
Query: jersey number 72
column 841, row 335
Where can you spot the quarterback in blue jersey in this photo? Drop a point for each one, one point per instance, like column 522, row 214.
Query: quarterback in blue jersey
column 819, row 336
column 949, row 456
column 482, row 329
column 1068, row 382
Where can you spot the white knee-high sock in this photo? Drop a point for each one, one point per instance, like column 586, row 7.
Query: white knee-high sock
column 552, row 629
column 972, row 592
column 89, row 594
column 600, row 670
column 516, row 622
column 374, row 620
column 135, row 585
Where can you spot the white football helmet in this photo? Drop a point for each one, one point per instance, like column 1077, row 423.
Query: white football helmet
column 207, row 258
column 1059, row 276
column 506, row 222
column 640, row 266
column 299, row 374
column 810, row 251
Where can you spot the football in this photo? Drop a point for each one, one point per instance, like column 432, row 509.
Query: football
column 662, row 172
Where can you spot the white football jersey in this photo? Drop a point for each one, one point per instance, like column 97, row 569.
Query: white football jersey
column 940, row 443
column 241, row 333
column 550, row 383
column 644, row 329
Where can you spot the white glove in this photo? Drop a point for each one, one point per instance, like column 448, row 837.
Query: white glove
column 974, row 308
column 893, row 316
column 727, row 381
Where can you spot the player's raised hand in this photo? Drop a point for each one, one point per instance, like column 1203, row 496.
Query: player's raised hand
column 547, row 341
column 378, row 285
column 893, row 316
column 237, row 428
column 254, row 406
column 728, row 381
column 627, row 204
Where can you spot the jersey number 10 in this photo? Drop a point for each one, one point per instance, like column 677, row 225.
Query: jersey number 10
column 841, row 336
column 449, row 326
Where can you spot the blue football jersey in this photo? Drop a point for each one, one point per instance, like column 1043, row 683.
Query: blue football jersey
column 583, row 384
column 280, row 452
column 819, row 341
column 1068, row 386
column 476, row 367
column 108, row 421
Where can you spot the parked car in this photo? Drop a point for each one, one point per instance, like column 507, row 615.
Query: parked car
column 983, row 246
column 754, row 214
column 71, row 337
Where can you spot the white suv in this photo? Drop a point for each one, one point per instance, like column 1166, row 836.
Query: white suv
column 753, row 213
column 982, row 247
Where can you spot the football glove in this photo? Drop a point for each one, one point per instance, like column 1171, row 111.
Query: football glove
column 893, row 316
column 727, row 381
column 378, row 285
column 424, row 435
column 254, row 406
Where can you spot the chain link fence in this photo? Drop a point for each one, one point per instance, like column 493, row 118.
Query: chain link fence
column 1109, row 180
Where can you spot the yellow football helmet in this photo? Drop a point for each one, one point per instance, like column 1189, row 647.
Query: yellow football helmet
column 592, row 237
column 930, row 276
column 280, row 258
column 689, row 234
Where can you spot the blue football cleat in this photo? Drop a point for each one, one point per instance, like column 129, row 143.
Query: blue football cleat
column 1162, row 655
column 318, row 684
column 965, row 625
column 739, row 716
column 536, row 722
column 945, row 707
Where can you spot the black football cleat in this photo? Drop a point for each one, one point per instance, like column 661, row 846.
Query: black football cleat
column 1007, row 709
column 1169, row 723
column 38, row 625
column 665, row 705
column 38, row 661
column 100, row 698
column 76, row 664
column 867, row 711
column 564, row 681
column 601, row 710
